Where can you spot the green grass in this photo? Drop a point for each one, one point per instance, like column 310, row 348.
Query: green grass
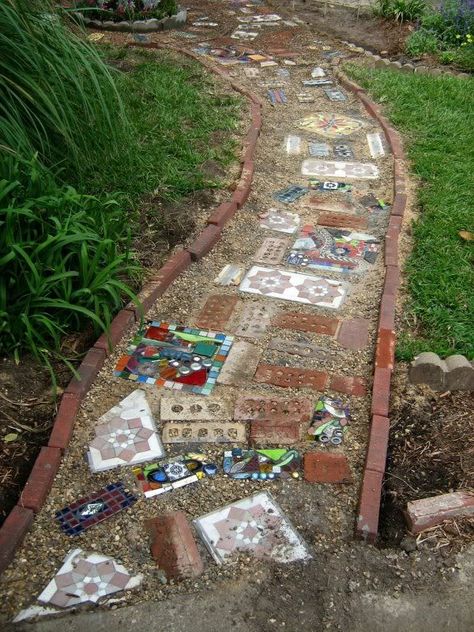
column 436, row 116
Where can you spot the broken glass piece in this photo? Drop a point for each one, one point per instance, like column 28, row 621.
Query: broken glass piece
column 330, row 421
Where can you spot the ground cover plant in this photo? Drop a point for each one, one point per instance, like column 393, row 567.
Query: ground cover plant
column 400, row 10
column 436, row 114
column 118, row 10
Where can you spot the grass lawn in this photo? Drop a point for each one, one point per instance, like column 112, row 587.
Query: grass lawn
column 436, row 116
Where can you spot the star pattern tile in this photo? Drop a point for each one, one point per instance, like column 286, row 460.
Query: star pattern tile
column 335, row 169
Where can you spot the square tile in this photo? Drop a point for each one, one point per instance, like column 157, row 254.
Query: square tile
column 280, row 221
column 334, row 169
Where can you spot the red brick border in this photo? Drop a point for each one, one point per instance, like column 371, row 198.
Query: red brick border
column 372, row 480
column 47, row 463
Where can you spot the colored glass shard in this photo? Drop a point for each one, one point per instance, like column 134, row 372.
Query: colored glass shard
column 330, row 421
column 290, row 194
column 262, row 464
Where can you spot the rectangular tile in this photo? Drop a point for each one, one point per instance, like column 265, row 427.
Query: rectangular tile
column 375, row 145
column 240, row 365
column 335, row 169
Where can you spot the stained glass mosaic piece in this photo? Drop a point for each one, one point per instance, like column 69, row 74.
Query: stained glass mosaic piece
column 332, row 125
column 262, row 464
column 255, row 525
column 329, row 422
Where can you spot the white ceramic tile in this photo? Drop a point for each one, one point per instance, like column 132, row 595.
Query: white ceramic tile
column 334, row 169
column 375, row 145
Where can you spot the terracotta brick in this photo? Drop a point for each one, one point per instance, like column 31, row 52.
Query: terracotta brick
column 223, row 213
column 378, row 444
column 249, row 145
column 395, row 143
column 428, row 512
column 118, row 327
column 354, row 333
column 392, row 280
column 87, row 371
column 323, row 203
column 256, row 114
column 350, row 85
column 311, row 323
column 385, row 349
column 369, row 506
column 387, row 311
column 291, row 378
column 381, row 392
column 275, row 431
column 391, row 248
column 12, row 532
column 242, row 191
column 348, row 385
column 326, row 467
column 64, row 421
column 395, row 224
column 205, row 242
column 340, row 220
column 399, row 204
column 372, row 108
column 270, row 408
column 173, row 546
column 400, row 177
column 217, row 311
column 41, row 479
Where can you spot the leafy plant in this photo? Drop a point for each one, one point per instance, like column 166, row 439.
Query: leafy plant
column 401, row 10
column 118, row 10
column 421, row 42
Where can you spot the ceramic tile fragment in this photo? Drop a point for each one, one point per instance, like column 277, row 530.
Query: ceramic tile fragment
column 195, row 408
column 305, row 97
column 302, row 349
column 255, row 525
column 262, row 464
column 335, row 95
column 204, row 432
column 230, row 275
column 287, row 286
column 240, row 365
column 317, row 73
column 251, row 73
column 125, row 435
column 375, row 145
column 292, row 144
column 334, row 169
column 268, row 63
column 331, row 125
column 290, row 194
column 271, row 251
column 254, row 319
column 315, row 83
column 280, row 221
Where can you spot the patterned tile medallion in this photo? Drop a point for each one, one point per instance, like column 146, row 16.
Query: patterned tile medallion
column 255, row 525
column 335, row 169
column 125, row 435
column 85, row 578
column 280, row 221
column 301, row 288
column 330, row 125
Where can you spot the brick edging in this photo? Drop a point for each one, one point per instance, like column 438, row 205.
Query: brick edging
column 46, row 466
column 374, row 469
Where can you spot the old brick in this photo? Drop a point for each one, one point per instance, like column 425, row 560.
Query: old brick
column 242, row 191
column 41, row 479
column 204, row 242
column 399, row 204
column 270, row 408
column 311, row 323
column 173, row 546
column 340, row 220
column 385, row 349
column 428, row 512
column 326, row 467
column 291, row 378
column 392, row 282
column 223, row 213
column 387, row 311
column 369, row 506
column 87, row 371
column 12, row 532
column 275, row 431
column 355, row 386
column 378, row 444
column 322, row 203
column 249, row 144
column 217, row 311
column 354, row 333
column 372, row 108
column 64, row 421
column 381, row 392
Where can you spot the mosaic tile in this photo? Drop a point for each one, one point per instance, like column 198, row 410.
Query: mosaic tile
column 255, row 525
column 310, row 323
column 318, row 150
column 330, row 185
column 290, row 194
column 292, row 144
column 277, row 97
column 241, row 364
column 335, row 169
column 230, row 275
column 333, row 94
column 195, row 408
column 86, row 578
column 343, row 151
column 177, row 357
column 204, row 432
column 262, row 464
column 287, row 286
column 125, row 435
column 216, row 312
column 280, row 221
column 90, row 510
column 329, row 422
column 287, row 377
column 299, row 409
column 330, row 125
column 302, row 349
column 271, row 251
column 159, row 478
column 375, row 145
column 331, row 248
column 254, row 320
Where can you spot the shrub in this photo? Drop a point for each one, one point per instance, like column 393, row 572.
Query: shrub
column 401, row 10
column 117, row 10
column 421, row 42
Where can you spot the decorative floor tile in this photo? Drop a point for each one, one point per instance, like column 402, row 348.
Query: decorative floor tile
column 241, row 364
column 330, row 185
column 318, row 150
column 302, row 349
column 125, row 435
column 254, row 525
column 271, row 251
column 330, row 125
column 310, row 323
column 280, row 221
column 90, row 510
column 195, row 408
column 333, row 94
column 298, row 409
column 287, row 377
column 204, row 432
column 159, row 478
column 343, row 151
column 290, row 194
column 262, row 464
column 375, row 145
column 216, row 312
column 172, row 356
column 86, row 578
column 329, row 422
column 331, row 248
column 230, row 275
column 300, row 288
column 254, row 319
column 292, row 144
column 334, row 169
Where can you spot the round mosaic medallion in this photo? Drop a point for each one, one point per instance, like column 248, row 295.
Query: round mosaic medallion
column 330, row 125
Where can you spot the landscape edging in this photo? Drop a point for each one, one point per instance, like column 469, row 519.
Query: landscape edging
column 41, row 478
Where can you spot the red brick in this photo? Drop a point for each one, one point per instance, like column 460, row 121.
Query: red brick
column 348, row 385
column 326, row 467
column 399, row 204
column 217, row 311
column 369, row 506
column 118, row 327
column 87, row 371
column 395, row 224
column 387, row 311
column 428, row 512
column 381, row 392
column 249, row 145
column 291, row 378
column 242, row 191
column 41, row 479
column 64, row 421
column 265, row 408
column 378, row 444
column 385, row 349
column 400, row 176
column 354, row 333
column 392, row 281
column 347, row 83
column 173, row 546
column 391, row 247
column 306, row 322
column 223, row 213
column 395, row 143
column 205, row 242
column 372, row 108
column 12, row 533
column 340, row 220
column 240, row 88
column 337, row 207
column 256, row 114
column 279, row 431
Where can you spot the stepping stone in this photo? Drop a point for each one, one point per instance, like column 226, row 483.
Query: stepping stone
column 300, row 288
column 241, row 364
column 311, row 323
column 299, row 409
column 334, row 169
column 217, row 311
column 326, row 467
column 192, row 408
column 271, row 251
column 204, row 432
column 254, row 319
